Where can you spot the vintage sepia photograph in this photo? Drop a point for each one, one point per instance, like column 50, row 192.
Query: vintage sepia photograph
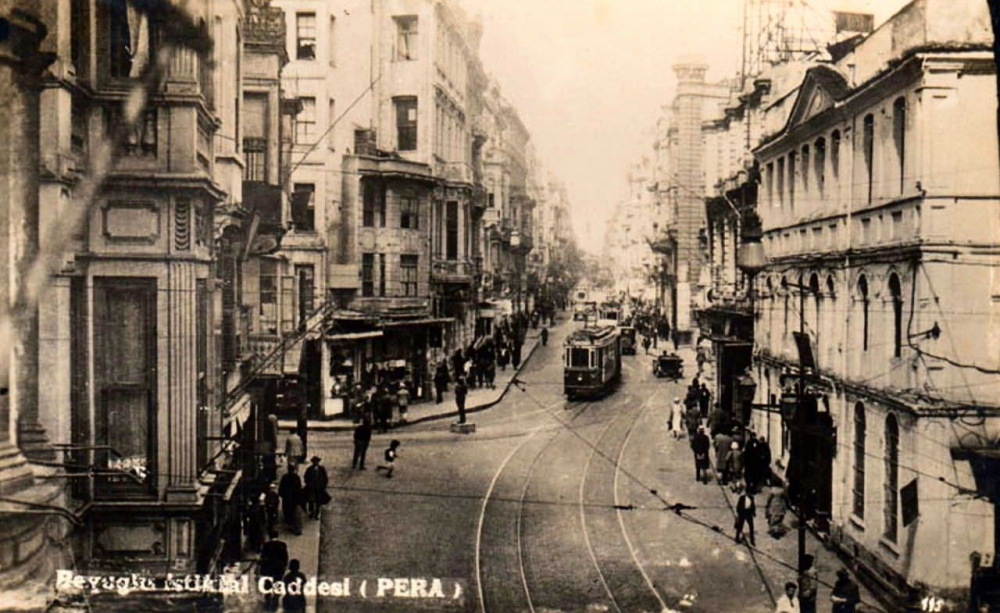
column 499, row 306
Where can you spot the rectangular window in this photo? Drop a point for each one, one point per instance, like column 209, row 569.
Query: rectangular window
column 305, row 122
column 331, row 116
column 332, row 41
column 305, row 36
column 832, row 236
column 817, row 238
column 780, row 202
column 406, row 37
column 490, row 201
column 579, row 358
column 255, row 137
column 769, row 182
column 868, row 146
column 406, row 122
column 368, row 274
column 287, row 297
column 408, row 268
column 381, row 274
column 409, row 213
column 304, row 207
column 268, row 295
column 791, row 180
column 130, row 39
column 125, row 378
column 451, row 230
column 306, row 277
column 373, row 204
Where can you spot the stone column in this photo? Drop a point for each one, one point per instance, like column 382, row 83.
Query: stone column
column 21, row 64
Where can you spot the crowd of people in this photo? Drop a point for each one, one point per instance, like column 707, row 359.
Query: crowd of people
column 742, row 463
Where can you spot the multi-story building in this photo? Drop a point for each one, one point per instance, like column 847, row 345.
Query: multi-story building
column 151, row 211
column 680, row 187
column 876, row 178
column 629, row 234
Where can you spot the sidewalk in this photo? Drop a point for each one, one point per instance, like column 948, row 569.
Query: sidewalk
column 477, row 400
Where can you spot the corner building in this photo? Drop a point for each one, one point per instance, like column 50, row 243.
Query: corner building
column 876, row 178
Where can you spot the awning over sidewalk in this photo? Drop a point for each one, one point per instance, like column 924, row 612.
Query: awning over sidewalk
column 351, row 336
column 417, row 322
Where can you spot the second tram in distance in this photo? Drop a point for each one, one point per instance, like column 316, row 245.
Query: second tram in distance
column 593, row 362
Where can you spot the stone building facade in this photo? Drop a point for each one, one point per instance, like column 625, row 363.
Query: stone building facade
column 876, row 176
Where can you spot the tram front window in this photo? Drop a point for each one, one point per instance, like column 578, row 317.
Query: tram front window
column 579, row 358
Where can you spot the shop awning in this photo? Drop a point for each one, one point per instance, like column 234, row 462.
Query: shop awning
column 353, row 336
column 418, row 322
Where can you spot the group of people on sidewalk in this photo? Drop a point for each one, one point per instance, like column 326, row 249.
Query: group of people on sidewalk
column 743, row 463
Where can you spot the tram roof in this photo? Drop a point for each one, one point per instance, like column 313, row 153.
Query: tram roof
column 588, row 336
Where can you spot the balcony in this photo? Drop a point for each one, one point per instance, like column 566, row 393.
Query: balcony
column 265, row 27
column 455, row 272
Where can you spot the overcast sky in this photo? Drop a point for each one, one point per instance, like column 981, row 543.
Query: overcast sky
column 589, row 77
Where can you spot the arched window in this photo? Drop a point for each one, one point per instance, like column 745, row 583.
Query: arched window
column 899, row 137
column 891, row 494
column 896, row 292
column 868, row 146
column 858, row 487
column 817, row 322
column 863, row 294
column 791, row 180
column 835, row 153
column 784, row 291
column 819, row 164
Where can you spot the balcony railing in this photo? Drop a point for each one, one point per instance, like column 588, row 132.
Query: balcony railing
column 265, row 24
column 452, row 271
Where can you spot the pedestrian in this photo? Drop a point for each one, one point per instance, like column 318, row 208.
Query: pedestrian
column 775, row 511
column 515, row 355
column 403, row 400
column 692, row 419
column 545, row 336
column 845, row 596
column 460, row 392
column 763, row 461
column 704, row 399
column 256, row 523
column 788, row 603
column 503, row 357
column 677, row 419
column 316, row 482
column 362, row 438
column 746, row 510
column 808, row 585
column 271, row 502
column 645, row 344
column 294, row 600
column 294, row 451
column 700, row 445
column 491, row 374
column 273, row 560
column 302, row 427
column 734, row 466
column 722, row 443
column 384, row 404
column 717, row 421
column 290, row 491
column 269, row 460
column 440, row 381
column 390, row 458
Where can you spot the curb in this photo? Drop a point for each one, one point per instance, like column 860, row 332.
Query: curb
column 436, row 416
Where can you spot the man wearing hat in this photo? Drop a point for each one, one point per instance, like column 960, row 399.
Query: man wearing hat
column 845, row 596
column 316, row 481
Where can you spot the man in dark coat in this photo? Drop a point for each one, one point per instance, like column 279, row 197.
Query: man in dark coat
column 515, row 355
column 362, row 438
column 704, row 399
column 746, row 510
column 290, row 491
column 460, row 393
column 763, row 454
column 273, row 560
column 441, row 381
column 845, row 596
column 700, row 445
column 316, row 482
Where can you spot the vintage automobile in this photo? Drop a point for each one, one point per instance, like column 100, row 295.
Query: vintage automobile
column 669, row 365
column 628, row 340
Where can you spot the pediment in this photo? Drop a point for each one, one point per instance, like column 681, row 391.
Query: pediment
column 821, row 88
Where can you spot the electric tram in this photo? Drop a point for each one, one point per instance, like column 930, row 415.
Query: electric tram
column 593, row 362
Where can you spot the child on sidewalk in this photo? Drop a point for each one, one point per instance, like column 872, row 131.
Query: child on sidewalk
column 390, row 458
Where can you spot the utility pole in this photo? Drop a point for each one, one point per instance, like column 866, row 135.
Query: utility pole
column 799, row 418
